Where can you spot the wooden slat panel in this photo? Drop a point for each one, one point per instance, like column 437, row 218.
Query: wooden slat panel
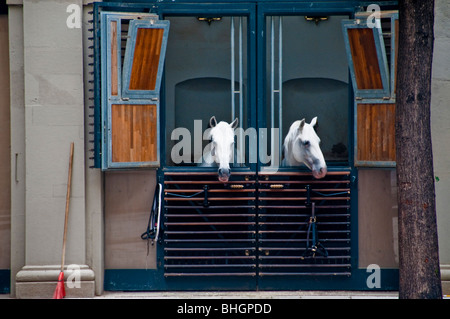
column 114, row 61
column 364, row 54
column 134, row 135
column 376, row 132
column 146, row 59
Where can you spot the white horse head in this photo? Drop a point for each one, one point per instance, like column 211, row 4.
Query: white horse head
column 301, row 145
column 222, row 146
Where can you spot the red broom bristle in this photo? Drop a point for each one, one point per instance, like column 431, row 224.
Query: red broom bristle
column 60, row 291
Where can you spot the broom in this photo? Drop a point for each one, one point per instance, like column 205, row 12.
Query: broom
column 60, row 291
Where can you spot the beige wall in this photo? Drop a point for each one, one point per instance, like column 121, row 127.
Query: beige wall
column 440, row 124
column 47, row 114
column 5, row 147
column 377, row 218
column 17, row 110
column 440, row 131
column 53, row 59
column 128, row 201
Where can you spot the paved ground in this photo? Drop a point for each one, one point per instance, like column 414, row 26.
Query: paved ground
column 251, row 295
column 248, row 295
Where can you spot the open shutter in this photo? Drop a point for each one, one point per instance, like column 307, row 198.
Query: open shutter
column 372, row 55
column 144, row 58
column 132, row 52
column 367, row 59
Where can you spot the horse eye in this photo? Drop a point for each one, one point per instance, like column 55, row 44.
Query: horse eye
column 306, row 143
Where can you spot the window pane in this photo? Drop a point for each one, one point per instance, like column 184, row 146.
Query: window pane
column 314, row 77
column 146, row 59
column 198, row 73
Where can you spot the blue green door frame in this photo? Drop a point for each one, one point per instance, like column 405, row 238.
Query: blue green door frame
column 256, row 13
column 5, row 281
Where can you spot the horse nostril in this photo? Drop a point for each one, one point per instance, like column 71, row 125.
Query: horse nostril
column 224, row 174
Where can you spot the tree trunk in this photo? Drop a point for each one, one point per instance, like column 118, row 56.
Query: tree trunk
column 418, row 243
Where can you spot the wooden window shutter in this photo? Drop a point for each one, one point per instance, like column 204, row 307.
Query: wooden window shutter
column 132, row 57
column 144, row 58
column 367, row 59
column 372, row 54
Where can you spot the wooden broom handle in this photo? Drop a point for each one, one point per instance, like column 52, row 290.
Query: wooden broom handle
column 66, row 217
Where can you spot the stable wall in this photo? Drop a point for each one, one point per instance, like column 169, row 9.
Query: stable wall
column 47, row 112
column 5, row 167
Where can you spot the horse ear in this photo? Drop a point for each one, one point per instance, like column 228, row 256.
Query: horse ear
column 314, row 121
column 235, row 123
column 212, row 121
column 302, row 123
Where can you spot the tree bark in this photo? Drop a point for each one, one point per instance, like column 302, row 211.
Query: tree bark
column 419, row 275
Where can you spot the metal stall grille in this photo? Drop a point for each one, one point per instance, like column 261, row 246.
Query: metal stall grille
column 209, row 226
column 257, row 225
column 304, row 224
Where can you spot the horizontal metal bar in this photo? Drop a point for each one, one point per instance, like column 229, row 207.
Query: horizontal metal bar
column 210, row 249
column 303, row 258
column 208, row 257
column 345, row 181
column 212, row 173
column 335, row 215
column 172, row 232
column 286, row 240
column 330, row 173
column 297, row 248
column 348, row 274
column 211, row 207
column 207, row 215
column 303, row 223
column 303, row 190
column 304, row 206
column 207, row 223
column 300, row 231
column 303, row 198
column 330, row 190
column 209, row 198
column 294, row 215
column 253, row 274
column 283, row 206
column 211, row 266
column 282, row 190
column 214, row 190
column 281, row 198
column 221, row 240
column 283, row 223
column 333, row 206
column 203, row 182
column 304, row 265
